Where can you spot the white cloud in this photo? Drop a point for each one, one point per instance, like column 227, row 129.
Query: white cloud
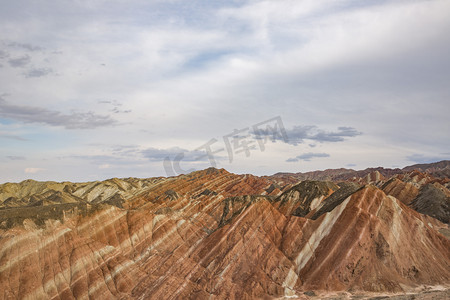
column 33, row 170
column 33, row 114
column 307, row 156
column 185, row 73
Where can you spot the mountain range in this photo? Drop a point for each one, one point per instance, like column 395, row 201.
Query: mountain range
column 211, row 234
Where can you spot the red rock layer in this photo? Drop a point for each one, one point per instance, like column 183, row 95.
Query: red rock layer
column 373, row 177
column 197, row 236
column 404, row 191
column 376, row 243
column 209, row 182
column 56, row 262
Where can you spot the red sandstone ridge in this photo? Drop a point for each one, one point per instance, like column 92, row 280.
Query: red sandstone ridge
column 216, row 235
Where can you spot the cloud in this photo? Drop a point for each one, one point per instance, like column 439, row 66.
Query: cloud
column 12, row 137
column 38, row 72
column 25, row 46
column 118, row 111
column 13, row 157
column 190, row 72
column 33, row 170
column 74, row 120
column 112, row 102
column 116, row 106
column 323, row 136
column 126, row 150
column 292, row 159
column 155, row 154
column 103, row 160
column 307, row 157
column 19, row 62
column 172, row 157
column 298, row 134
column 421, row 159
column 109, row 161
column 92, row 157
column 3, row 54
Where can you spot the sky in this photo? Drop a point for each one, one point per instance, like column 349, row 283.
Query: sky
column 96, row 89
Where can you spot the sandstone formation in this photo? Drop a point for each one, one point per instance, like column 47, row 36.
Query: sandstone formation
column 212, row 234
column 403, row 191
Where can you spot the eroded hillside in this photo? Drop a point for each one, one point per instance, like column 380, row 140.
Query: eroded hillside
column 214, row 234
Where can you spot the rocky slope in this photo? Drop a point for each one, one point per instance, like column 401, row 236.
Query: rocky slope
column 422, row 192
column 214, row 234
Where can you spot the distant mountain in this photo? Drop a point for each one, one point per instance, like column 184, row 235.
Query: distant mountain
column 439, row 170
column 212, row 234
column 35, row 193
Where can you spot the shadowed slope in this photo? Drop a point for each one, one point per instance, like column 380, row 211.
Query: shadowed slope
column 300, row 199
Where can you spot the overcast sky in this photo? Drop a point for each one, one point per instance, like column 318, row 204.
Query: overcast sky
column 98, row 89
